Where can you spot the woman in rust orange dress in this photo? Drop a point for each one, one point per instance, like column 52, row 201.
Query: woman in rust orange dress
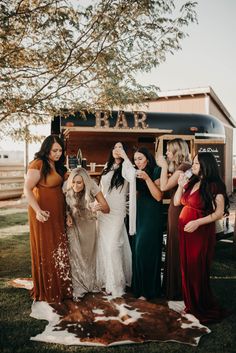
column 43, row 190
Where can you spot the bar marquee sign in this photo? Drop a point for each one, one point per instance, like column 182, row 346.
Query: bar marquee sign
column 103, row 120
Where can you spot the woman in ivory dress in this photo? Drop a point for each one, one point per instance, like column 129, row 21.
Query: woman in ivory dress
column 83, row 199
column 114, row 267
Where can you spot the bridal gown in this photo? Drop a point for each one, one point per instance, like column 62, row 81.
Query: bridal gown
column 114, row 268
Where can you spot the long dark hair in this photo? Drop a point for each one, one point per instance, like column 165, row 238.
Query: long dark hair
column 44, row 152
column 211, row 182
column 117, row 179
column 151, row 162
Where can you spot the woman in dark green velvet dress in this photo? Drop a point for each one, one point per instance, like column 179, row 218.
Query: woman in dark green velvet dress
column 147, row 243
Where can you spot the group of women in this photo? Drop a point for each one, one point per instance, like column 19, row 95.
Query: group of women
column 97, row 255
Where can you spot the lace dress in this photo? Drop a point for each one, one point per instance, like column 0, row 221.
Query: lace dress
column 113, row 250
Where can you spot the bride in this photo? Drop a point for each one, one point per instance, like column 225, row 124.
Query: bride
column 114, row 267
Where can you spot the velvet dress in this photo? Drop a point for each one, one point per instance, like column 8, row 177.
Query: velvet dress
column 147, row 243
column 48, row 241
column 196, row 254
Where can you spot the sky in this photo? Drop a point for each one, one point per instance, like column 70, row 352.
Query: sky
column 207, row 58
column 208, row 55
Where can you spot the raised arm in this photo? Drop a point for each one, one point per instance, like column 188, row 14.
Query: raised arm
column 129, row 174
column 167, row 183
column 128, row 170
column 153, row 186
column 32, row 179
column 182, row 180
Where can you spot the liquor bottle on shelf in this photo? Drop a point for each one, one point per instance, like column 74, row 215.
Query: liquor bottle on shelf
column 72, row 162
column 84, row 163
column 79, row 157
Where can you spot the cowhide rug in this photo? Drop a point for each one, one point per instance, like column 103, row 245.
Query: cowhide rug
column 98, row 319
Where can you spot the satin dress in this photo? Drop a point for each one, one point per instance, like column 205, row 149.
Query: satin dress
column 48, row 241
column 196, row 254
column 172, row 284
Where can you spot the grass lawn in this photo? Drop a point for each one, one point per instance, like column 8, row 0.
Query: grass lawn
column 17, row 327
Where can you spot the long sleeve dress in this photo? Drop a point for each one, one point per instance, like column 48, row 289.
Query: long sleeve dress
column 114, row 254
column 82, row 236
column 196, row 254
column 48, row 241
column 172, row 284
column 147, row 243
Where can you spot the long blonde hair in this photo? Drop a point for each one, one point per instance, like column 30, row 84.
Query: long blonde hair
column 180, row 150
column 78, row 203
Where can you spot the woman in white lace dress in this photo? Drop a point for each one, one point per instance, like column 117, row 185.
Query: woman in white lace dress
column 83, row 200
column 114, row 266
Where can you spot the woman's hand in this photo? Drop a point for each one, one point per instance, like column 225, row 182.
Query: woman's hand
column 121, row 153
column 183, row 180
column 161, row 162
column 141, row 174
column 42, row 216
column 69, row 221
column 95, row 206
column 191, row 226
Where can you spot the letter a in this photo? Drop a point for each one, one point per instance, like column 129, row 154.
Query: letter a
column 121, row 120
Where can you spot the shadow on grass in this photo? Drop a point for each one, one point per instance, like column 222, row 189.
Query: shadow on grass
column 12, row 220
column 15, row 256
column 224, row 260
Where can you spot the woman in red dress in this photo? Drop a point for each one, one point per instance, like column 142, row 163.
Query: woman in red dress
column 205, row 201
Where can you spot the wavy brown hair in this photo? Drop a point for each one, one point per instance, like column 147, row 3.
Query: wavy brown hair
column 117, row 179
column 211, row 182
column 43, row 155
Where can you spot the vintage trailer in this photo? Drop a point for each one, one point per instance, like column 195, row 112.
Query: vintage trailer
column 90, row 136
